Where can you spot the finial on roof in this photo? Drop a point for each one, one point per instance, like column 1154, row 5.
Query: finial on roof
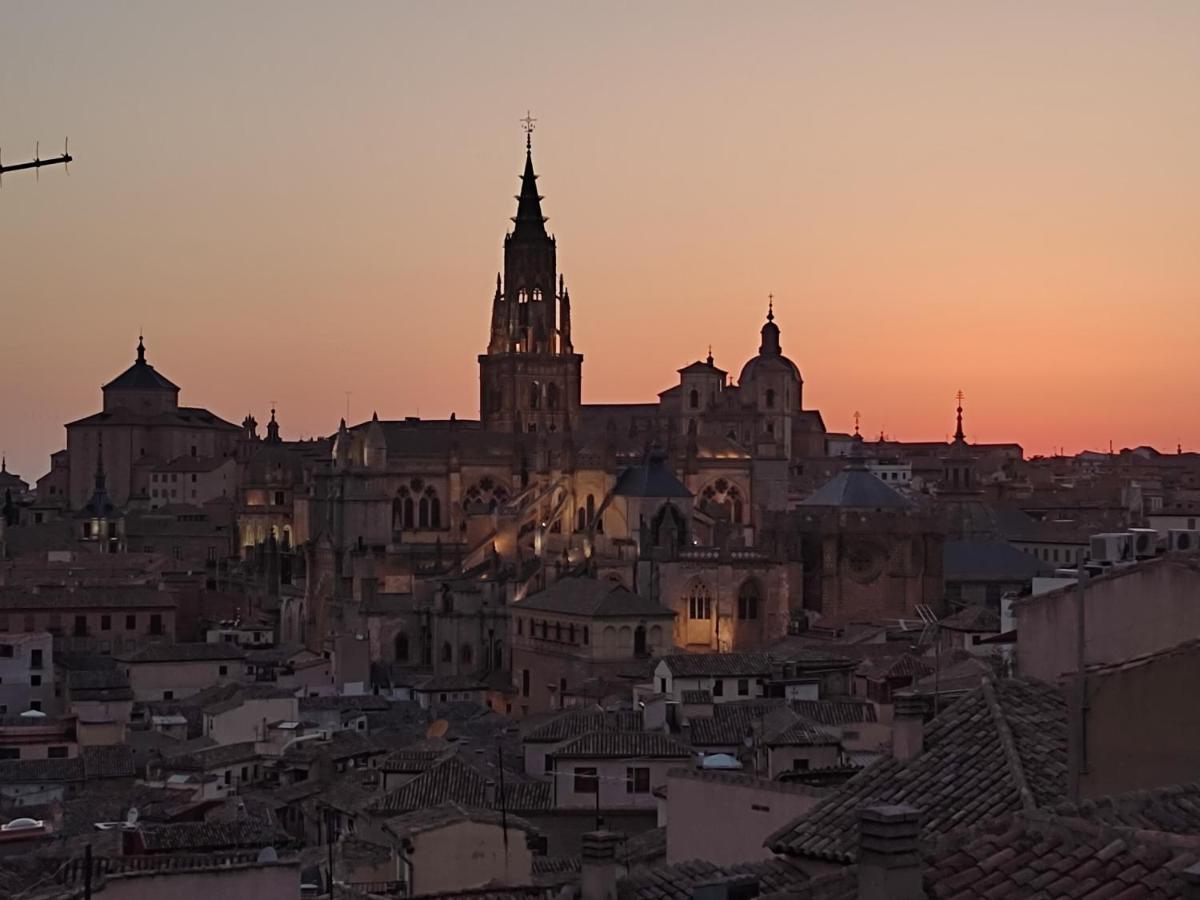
column 528, row 123
column 375, row 416
column 709, row 360
column 770, row 307
column 3, row 464
column 959, row 437
column 141, row 349
column 857, row 421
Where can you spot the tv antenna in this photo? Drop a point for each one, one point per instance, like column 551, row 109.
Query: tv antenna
column 37, row 162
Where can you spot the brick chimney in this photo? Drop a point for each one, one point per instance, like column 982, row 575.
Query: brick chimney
column 601, row 869
column 908, row 728
column 889, row 859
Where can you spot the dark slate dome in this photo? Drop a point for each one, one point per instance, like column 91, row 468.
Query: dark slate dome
column 856, row 488
column 141, row 376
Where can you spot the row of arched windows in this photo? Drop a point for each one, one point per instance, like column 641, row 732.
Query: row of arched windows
column 466, row 652
column 535, row 395
column 555, row 632
column 416, row 510
column 699, row 600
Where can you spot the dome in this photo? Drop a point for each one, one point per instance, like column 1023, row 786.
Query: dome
column 770, row 359
column 761, row 366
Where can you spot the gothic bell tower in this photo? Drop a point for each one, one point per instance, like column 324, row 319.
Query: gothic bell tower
column 529, row 378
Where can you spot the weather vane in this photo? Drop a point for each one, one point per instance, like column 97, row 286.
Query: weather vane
column 528, row 123
column 857, row 420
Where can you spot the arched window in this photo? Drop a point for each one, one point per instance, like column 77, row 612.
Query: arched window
column 552, row 396
column 402, row 509
column 770, row 398
column 570, row 634
column 429, row 509
column 465, row 654
column 694, row 399
column 535, row 395
column 748, row 596
column 558, row 631
column 699, row 601
column 581, row 520
column 447, row 652
column 400, row 646
column 591, row 508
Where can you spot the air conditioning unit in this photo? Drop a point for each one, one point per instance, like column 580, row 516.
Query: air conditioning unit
column 1183, row 540
column 1145, row 542
column 1113, row 548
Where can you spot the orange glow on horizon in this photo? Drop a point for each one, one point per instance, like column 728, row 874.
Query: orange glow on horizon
column 296, row 201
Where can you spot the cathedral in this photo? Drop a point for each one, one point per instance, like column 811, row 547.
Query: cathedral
column 650, row 495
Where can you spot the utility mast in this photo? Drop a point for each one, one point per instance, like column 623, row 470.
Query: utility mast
column 37, row 162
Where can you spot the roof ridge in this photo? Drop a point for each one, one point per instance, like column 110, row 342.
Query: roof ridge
column 1008, row 744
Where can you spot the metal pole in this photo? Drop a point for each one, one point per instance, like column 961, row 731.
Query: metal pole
column 87, row 872
column 329, row 846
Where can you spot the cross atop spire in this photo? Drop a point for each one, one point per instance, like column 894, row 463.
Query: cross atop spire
column 141, row 348
column 770, row 307
column 528, row 123
column 959, row 437
column 857, row 422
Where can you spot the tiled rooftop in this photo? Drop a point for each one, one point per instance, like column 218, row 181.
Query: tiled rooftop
column 1031, row 855
column 576, row 722
column 678, row 881
column 999, row 749
column 621, row 745
column 721, row 665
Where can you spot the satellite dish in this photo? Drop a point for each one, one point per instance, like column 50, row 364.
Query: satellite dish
column 437, row 729
column 268, row 855
column 131, row 817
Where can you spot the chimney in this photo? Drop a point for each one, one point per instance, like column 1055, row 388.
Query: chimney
column 908, row 728
column 600, row 869
column 889, row 860
column 1191, row 882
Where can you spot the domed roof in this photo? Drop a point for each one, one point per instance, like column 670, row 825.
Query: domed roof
column 141, row 376
column 770, row 357
column 856, row 488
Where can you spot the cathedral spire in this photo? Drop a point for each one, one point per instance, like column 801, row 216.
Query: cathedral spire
column 530, row 223
column 959, row 437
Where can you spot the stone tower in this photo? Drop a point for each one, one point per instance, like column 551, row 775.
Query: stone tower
column 529, row 379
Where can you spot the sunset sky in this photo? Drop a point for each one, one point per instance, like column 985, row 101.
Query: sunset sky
column 295, row 200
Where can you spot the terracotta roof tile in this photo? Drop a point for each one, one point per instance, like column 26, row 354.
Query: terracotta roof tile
column 999, row 749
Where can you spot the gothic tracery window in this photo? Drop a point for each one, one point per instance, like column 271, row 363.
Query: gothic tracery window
column 699, row 601
column 725, row 499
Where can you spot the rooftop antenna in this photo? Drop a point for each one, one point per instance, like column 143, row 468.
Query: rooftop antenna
column 37, row 162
